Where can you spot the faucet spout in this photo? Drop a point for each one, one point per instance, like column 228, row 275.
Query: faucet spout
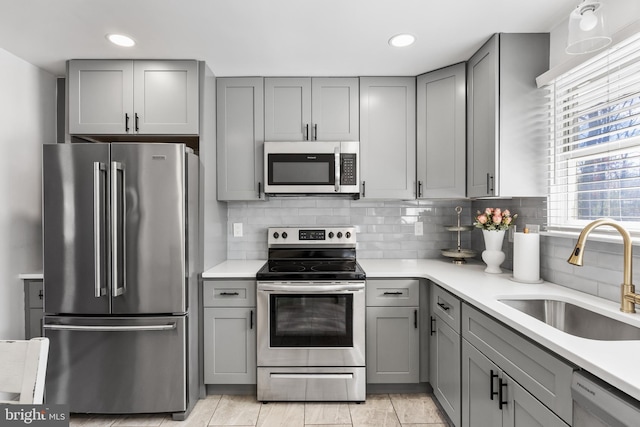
column 628, row 297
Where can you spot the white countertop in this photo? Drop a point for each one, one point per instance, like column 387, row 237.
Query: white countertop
column 613, row 361
column 28, row 276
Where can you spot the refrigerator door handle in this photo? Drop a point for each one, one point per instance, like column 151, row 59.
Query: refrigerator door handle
column 118, row 210
column 98, row 193
column 90, row 328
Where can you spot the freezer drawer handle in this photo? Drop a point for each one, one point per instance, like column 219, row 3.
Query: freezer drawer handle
column 118, row 209
column 111, row 328
column 98, row 187
column 314, row 376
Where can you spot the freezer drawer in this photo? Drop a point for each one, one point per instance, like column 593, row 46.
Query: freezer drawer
column 117, row 365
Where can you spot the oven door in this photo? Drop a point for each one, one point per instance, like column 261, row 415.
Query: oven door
column 311, row 324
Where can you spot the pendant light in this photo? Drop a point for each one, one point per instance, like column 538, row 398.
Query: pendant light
column 587, row 31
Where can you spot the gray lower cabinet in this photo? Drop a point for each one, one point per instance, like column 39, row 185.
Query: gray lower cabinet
column 393, row 331
column 240, row 138
column 508, row 380
column 33, row 312
column 444, row 347
column 229, row 332
column 492, row 398
column 388, row 137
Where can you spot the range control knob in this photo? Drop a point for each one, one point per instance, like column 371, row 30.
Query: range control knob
column 339, row 234
column 348, row 235
column 284, row 234
column 331, row 234
column 276, row 235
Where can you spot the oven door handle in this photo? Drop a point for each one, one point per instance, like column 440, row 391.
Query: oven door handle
column 305, row 289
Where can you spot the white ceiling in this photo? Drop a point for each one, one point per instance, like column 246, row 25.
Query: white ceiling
column 271, row 37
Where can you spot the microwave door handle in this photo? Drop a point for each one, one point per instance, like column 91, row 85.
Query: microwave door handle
column 337, row 169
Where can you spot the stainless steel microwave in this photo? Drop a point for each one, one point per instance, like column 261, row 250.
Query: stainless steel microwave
column 312, row 167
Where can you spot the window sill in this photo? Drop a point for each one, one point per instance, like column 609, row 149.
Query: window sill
column 594, row 236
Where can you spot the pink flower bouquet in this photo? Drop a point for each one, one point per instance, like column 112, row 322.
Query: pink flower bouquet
column 494, row 219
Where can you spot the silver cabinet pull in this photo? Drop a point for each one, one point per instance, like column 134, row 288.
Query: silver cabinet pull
column 118, row 211
column 98, row 190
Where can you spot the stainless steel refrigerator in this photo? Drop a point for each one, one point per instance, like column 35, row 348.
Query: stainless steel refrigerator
column 120, row 225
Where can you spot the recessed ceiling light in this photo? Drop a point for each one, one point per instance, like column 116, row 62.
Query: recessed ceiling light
column 402, row 40
column 121, row 40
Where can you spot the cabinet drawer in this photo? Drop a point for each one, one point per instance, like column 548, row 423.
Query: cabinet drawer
column 544, row 375
column 35, row 293
column 229, row 293
column 446, row 306
column 393, row 293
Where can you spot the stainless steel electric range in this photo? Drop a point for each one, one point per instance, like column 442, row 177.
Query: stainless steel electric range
column 311, row 317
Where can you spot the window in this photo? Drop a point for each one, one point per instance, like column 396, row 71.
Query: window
column 594, row 141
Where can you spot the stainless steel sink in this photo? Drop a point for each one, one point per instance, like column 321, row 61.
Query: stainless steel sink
column 575, row 320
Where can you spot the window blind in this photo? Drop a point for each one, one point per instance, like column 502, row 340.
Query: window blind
column 594, row 140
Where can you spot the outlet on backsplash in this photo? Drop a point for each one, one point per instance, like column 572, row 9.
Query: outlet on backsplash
column 418, row 228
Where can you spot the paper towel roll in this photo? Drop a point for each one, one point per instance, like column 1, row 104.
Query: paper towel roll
column 526, row 257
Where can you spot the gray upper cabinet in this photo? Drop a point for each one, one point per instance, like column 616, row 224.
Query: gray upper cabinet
column 505, row 132
column 300, row 109
column 240, row 138
column 133, row 97
column 388, row 137
column 441, row 133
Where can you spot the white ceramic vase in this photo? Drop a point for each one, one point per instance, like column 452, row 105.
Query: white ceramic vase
column 493, row 255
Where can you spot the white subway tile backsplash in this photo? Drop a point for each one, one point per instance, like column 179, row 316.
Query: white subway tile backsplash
column 386, row 230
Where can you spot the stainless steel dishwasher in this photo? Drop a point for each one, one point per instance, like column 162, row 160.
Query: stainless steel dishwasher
column 598, row 404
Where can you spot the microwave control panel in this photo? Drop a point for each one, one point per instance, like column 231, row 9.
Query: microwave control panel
column 348, row 169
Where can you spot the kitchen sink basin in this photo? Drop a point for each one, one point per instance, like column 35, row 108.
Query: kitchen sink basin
column 575, row 320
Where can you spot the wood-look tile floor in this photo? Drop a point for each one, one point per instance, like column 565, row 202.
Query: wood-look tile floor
column 388, row 410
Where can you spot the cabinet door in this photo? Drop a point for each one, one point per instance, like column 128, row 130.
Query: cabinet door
column 287, row 109
column 441, row 133
column 524, row 410
column 100, row 97
column 388, row 137
column 240, row 136
column 393, row 345
column 480, row 382
column 229, row 346
column 166, row 97
column 482, row 120
column 334, row 109
column 445, row 368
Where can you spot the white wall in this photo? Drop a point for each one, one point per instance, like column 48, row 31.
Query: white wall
column 27, row 120
column 618, row 14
